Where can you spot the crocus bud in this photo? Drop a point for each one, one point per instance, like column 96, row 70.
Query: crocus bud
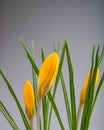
column 85, row 85
column 47, row 74
column 29, row 99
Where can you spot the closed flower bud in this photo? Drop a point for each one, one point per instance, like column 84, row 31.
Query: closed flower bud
column 29, row 100
column 85, row 85
column 47, row 74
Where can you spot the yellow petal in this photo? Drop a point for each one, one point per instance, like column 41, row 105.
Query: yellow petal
column 85, row 85
column 29, row 99
column 47, row 74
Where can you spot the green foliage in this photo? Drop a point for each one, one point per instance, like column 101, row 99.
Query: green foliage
column 8, row 116
column 10, row 88
column 48, row 103
column 90, row 97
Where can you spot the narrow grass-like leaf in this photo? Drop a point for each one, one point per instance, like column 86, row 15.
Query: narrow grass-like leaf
column 44, row 103
column 66, row 101
column 56, row 48
column 44, row 108
column 98, row 90
column 16, row 101
column 72, row 91
column 101, row 57
column 56, row 82
column 42, row 53
column 59, row 71
column 8, row 116
column 55, row 110
column 34, row 78
column 30, row 58
column 35, row 73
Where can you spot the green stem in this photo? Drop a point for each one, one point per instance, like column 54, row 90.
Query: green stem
column 31, row 124
column 38, row 114
column 79, row 113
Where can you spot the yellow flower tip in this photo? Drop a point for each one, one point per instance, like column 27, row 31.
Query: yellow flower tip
column 47, row 74
column 84, row 88
column 29, row 99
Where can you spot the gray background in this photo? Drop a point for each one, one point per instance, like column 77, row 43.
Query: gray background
column 81, row 22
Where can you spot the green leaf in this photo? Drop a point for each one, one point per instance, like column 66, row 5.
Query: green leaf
column 34, row 78
column 8, row 116
column 66, row 101
column 16, row 100
column 72, row 91
column 101, row 57
column 55, row 110
column 44, row 108
column 44, row 102
column 30, row 58
column 98, row 90
column 56, row 48
column 42, row 53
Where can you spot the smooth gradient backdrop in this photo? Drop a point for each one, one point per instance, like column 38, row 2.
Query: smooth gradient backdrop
column 80, row 21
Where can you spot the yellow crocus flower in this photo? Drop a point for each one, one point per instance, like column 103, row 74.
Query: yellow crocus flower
column 83, row 92
column 47, row 74
column 29, row 99
column 84, row 88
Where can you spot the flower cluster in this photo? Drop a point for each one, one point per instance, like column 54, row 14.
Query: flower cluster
column 39, row 92
column 47, row 74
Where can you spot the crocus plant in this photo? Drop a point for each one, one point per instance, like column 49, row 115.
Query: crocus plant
column 38, row 94
column 84, row 89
